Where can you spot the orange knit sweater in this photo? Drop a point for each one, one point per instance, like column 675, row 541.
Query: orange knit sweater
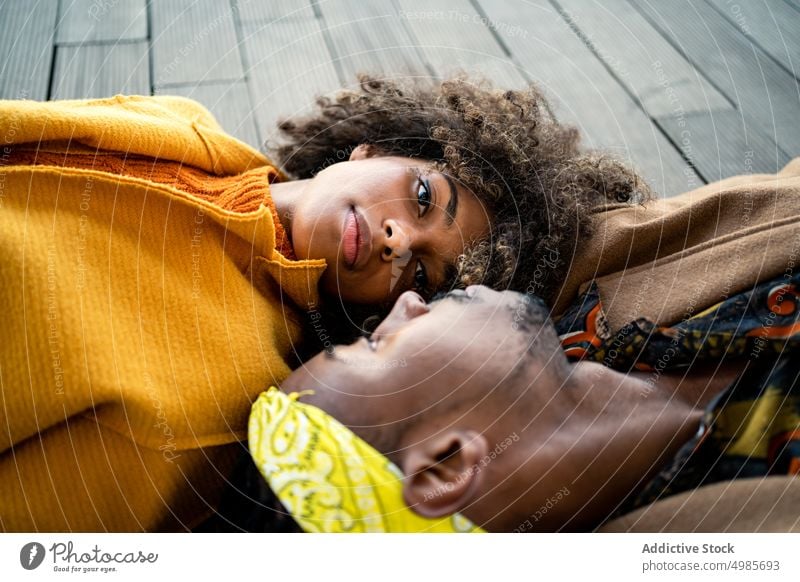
column 233, row 193
column 149, row 296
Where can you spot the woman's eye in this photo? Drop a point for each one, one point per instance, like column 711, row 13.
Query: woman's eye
column 420, row 278
column 423, row 196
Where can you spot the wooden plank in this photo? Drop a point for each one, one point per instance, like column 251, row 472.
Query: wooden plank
column 194, row 41
column 370, row 37
column 230, row 104
column 259, row 12
column 82, row 21
column 101, row 70
column 27, row 30
column 773, row 26
column 688, row 108
column 586, row 94
column 761, row 90
column 716, row 141
column 453, row 37
column 288, row 64
column 722, row 144
column 641, row 58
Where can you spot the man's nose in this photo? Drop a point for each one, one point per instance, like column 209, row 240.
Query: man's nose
column 396, row 241
column 407, row 307
column 410, row 305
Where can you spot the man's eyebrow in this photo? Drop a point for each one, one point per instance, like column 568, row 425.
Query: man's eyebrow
column 452, row 204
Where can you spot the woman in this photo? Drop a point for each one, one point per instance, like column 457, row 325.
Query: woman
column 157, row 271
column 535, row 187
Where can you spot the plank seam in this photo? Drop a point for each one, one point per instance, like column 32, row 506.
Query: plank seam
column 676, row 45
column 583, row 37
column 239, row 30
column 328, row 40
column 754, row 41
column 492, row 30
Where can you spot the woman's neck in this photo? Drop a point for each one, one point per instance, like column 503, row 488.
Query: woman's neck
column 285, row 196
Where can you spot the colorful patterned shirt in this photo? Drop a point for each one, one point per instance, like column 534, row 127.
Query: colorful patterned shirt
column 750, row 429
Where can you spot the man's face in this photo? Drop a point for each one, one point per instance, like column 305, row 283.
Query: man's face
column 385, row 225
column 419, row 355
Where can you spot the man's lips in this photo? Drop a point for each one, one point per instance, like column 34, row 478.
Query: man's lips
column 356, row 239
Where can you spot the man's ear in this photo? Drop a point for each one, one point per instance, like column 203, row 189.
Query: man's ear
column 443, row 473
column 362, row 152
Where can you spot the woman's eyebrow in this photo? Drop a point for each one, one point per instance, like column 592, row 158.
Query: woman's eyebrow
column 452, row 204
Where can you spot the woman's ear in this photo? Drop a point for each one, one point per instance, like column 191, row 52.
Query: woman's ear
column 362, row 152
column 443, row 473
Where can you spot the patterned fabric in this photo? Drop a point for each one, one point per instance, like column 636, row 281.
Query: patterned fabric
column 328, row 478
column 750, row 429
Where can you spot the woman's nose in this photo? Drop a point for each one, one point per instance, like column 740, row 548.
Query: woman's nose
column 396, row 242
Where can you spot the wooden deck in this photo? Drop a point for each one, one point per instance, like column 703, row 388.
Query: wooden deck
column 689, row 91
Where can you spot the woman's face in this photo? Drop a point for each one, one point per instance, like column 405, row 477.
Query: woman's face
column 385, row 225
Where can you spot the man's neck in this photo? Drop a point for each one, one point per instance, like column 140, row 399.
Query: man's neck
column 618, row 432
column 699, row 384
column 634, row 425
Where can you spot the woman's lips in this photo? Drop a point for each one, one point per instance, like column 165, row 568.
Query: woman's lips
column 356, row 240
column 350, row 238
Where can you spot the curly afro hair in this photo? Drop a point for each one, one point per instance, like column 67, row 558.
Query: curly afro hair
column 506, row 146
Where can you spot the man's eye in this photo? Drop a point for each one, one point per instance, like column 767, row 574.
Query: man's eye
column 420, row 278
column 423, row 196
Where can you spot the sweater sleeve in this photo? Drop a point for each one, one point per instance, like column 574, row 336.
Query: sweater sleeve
column 162, row 127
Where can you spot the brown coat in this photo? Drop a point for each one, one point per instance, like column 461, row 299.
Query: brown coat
column 771, row 504
column 674, row 257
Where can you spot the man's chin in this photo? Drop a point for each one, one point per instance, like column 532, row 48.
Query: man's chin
column 295, row 382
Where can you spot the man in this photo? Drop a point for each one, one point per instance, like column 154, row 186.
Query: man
column 472, row 397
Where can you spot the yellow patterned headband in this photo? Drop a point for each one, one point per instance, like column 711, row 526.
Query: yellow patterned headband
column 328, row 478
